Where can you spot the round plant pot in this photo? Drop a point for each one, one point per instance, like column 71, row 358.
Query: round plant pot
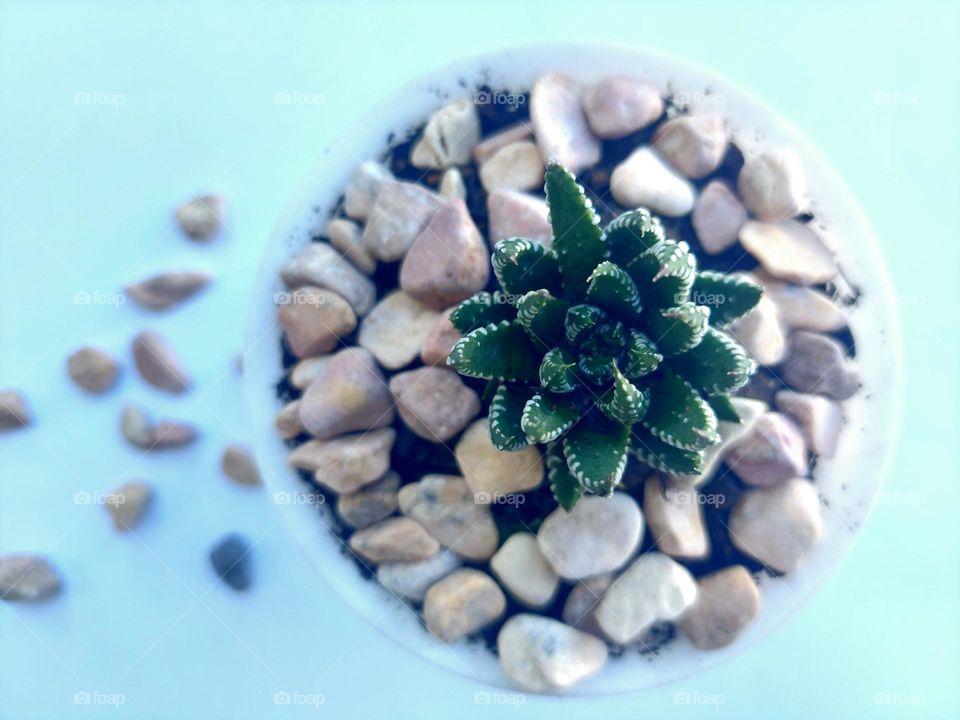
column 846, row 483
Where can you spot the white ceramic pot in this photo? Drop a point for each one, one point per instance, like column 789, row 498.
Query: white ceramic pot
column 848, row 483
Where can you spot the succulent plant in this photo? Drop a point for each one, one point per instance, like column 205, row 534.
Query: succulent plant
column 609, row 343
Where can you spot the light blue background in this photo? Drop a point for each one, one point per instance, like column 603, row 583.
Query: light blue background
column 86, row 194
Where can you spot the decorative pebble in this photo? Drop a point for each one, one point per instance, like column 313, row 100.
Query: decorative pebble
column 371, row 503
column 448, row 262
column 141, row 432
column 760, row 333
column 617, row 106
column 803, row 308
column 126, row 504
column 434, row 402
column 516, row 214
column 28, row 578
column 163, row 291
column 347, row 237
column 443, row 504
column 772, row 185
column 158, row 364
column 318, row 264
column 789, row 250
column 818, row 364
column 230, row 558
column 579, row 610
column 820, row 419
column 398, row 539
column 411, row 580
column 93, row 369
column 288, row 422
column 202, row 217
column 313, row 320
column 560, row 125
column 727, row 602
column 489, row 146
column 14, row 412
column 168, row 434
column 675, row 519
column 599, row 535
column 494, row 474
column 353, row 396
column 772, row 452
column 543, row 655
column 522, row 569
column 462, row 603
column 308, row 370
column 653, row 589
column 239, row 464
column 452, row 185
column 363, row 187
column 718, row 217
column 450, row 136
column 439, row 341
column 777, row 525
column 694, row 145
column 400, row 214
column 643, row 180
column 517, row 166
column 396, row 329
column 346, row 463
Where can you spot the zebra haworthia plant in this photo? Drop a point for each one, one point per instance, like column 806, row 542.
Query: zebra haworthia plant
column 606, row 344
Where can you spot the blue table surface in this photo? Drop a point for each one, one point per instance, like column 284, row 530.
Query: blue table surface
column 112, row 113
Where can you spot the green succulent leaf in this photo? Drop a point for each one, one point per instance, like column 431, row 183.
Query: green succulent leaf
column 598, row 369
column 597, row 458
column 677, row 329
column 506, row 411
column 666, row 458
column 642, row 355
column 523, row 265
column 545, row 418
column 480, row 310
column 725, row 410
column 542, row 316
column 623, row 402
column 727, row 296
column 664, row 274
column 577, row 239
column 580, row 320
column 678, row 415
column 632, row 233
column 612, row 290
column 558, row 372
column 718, row 364
column 566, row 489
column 501, row 351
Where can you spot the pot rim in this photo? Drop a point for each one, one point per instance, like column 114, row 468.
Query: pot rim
column 848, row 483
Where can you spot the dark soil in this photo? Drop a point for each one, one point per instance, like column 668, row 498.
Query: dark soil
column 413, row 457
